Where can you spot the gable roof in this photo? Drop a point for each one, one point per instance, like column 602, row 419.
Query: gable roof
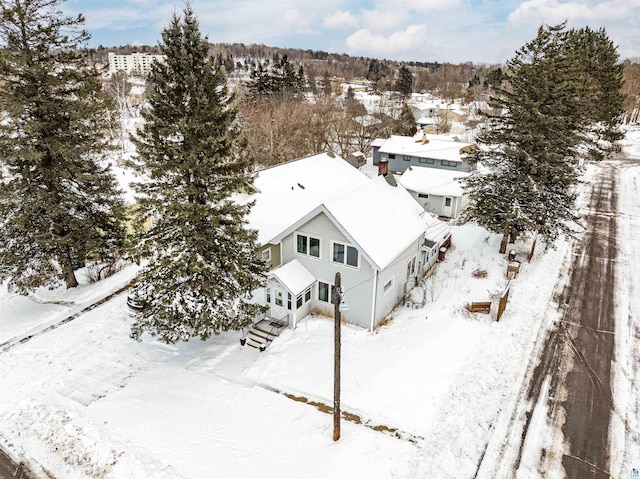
column 293, row 276
column 432, row 181
column 436, row 147
column 289, row 191
column 397, row 220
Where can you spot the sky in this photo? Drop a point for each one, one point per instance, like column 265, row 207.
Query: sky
column 456, row 31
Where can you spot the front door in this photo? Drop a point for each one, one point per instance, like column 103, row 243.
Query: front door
column 279, row 303
column 447, row 208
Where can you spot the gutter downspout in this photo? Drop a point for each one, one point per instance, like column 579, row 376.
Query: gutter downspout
column 373, row 300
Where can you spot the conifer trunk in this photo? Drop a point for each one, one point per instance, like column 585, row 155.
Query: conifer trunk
column 70, row 276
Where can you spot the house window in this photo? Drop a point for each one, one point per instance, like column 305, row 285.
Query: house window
column 392, row 156
column 447, row 201
column 345, row 254
column 303, row 298
column 411, row 267
column 326, row 292
column 406, row 158
column 429, row 161
column 388, row 285
column 308, row 245
column 278, row 297
column 449, row 163
column 268, row 295
column 266, row 254
column 422, row 195
column 289, row 301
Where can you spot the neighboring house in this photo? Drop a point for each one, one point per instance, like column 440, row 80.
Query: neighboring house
column 431, row 151
column 371, row 231
column 438, row 191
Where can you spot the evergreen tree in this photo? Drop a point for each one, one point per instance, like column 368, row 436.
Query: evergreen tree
column 201, row 264
column 58, row 200
column 279, row 81
column 404, row 83
column 406, row 124
column 535, row 149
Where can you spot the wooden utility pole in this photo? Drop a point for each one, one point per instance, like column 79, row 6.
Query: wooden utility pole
column 336, row 359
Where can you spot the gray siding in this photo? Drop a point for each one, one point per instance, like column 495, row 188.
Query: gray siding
column 435, row 204
column 388, row 300
column 399, row 165
column 357, row 283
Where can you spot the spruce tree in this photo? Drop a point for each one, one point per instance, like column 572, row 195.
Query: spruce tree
column 200, row 264
column 552, row 105
column 404, row 83
column 58, row 199
column 406, row 124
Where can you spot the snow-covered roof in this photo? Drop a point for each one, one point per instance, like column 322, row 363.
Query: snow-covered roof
column 425, row 120
column 378, row 142
column 432, row 181
column 436, row 147
column 289, row 191
column 437, row 231
column 396, row 221
column 380, row 237
column 293, row 276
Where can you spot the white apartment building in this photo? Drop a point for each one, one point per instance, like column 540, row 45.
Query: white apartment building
column 133, row 64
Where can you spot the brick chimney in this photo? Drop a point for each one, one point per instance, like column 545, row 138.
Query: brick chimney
column 383, row 167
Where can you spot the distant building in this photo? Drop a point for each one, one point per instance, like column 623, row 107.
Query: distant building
column 429, row 151
column 133, row 64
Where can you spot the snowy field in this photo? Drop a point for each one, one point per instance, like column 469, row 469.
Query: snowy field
column 425, row 390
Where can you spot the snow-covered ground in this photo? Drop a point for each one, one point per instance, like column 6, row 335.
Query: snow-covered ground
column 427, row 388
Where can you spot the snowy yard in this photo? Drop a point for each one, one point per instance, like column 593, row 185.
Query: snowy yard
column 84, row 400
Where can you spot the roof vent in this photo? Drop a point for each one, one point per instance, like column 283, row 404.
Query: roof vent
column 331, row 154
column 391, row 180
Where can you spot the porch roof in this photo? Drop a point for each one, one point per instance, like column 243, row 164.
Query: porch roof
column 293, row 276
column 433, row 181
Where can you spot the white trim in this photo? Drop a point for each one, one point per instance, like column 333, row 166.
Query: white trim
column 309, row 237
column 373, row 300
column 346, row 247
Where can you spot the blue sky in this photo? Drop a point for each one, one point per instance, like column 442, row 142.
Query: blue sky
column 479, row 31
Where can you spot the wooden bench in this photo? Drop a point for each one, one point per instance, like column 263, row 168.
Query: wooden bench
column 479, row 307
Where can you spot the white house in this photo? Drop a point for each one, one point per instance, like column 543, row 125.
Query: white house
column 431, row 151
column 437, row 191
column 318, row 216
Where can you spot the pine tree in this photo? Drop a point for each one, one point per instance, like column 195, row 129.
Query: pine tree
column 58, row 199
column 534, row 152
column 406, row 124
column 201, row 264
column 404, row 83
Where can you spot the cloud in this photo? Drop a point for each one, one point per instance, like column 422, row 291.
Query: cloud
column 552, row 11
column 383, row 20
column 341, row 20
column 430, row 5
column 400, row 44
column 292, row 21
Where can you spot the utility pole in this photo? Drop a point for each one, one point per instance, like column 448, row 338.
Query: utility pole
column 336, row 359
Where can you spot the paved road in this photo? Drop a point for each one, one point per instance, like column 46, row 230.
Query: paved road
column 11, row 470
column 578, row 353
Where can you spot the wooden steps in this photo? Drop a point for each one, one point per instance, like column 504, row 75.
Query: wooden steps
column 263, row 333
